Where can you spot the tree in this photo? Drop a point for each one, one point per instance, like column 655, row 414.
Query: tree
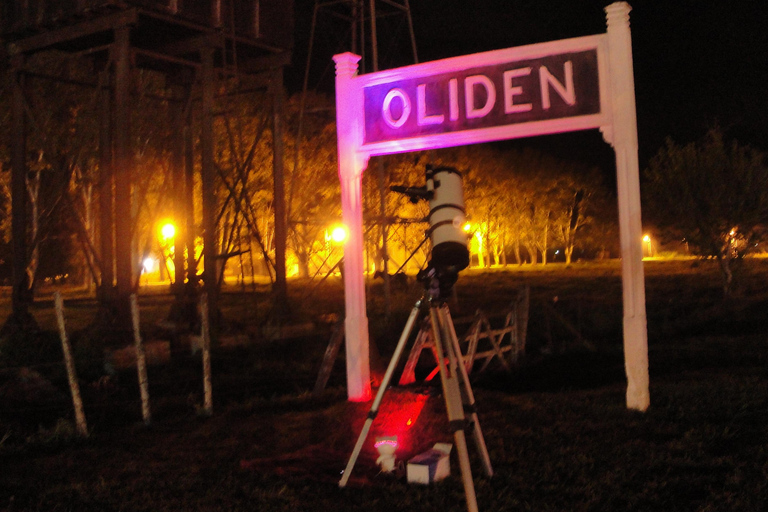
column 712, row 193
column 558, row 197
column 574, row 197
column 62, row 133
column 314, row 200
column 524, row 199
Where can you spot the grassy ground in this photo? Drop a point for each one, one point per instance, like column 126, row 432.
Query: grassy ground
column 557, row 430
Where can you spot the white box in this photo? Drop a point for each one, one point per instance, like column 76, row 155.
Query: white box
column 430, row 466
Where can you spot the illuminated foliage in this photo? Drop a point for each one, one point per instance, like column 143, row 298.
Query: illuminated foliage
column 524, row 203
column 521, row 204
column 713, row 194
column 313, row 194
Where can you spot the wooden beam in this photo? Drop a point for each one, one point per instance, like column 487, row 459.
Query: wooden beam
column 257, row 64
column 189, row 189
column 168, row 58
column 193, row 44
column 19, row 295
column 85, row 28
column 178, row 117
column 280, row 288
column 123, row 165
column 106, row 197
column 68, row 81
column 208, row 175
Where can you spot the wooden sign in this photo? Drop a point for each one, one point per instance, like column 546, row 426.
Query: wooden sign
column 536, row 89
column 559, row 86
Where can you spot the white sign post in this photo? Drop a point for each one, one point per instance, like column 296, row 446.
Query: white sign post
column 572, row 84
column 622, row 135
column 352, row 163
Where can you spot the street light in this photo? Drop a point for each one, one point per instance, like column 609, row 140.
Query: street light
column 338, row 234
column 647, row 240
column 149, row 265
column 168, row 231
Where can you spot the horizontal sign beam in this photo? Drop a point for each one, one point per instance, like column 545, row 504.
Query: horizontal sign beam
column 530, row 90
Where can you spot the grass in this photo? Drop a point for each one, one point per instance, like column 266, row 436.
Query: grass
column 557, row 430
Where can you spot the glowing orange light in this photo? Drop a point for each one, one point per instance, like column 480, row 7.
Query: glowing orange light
column 149, row 264
column 339, row 234
column 168, row 230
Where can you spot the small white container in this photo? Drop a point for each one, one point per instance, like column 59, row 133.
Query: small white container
column 430, row 466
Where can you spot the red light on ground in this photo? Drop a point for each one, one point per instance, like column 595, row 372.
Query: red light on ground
column 397, row 416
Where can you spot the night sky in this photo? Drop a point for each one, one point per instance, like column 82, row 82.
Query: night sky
column 697, row 63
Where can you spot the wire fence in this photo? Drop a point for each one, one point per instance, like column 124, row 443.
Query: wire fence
column 170, row 376
column 245, row 368
column 109, row 381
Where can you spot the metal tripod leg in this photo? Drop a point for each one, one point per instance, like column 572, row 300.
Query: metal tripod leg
column 453, row 402
column 380, row 394
column 469, row 404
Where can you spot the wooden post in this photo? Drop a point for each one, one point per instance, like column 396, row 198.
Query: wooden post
column 381, row 174
column 123, row 161
column 206, row 335
column 281, row 232
column 351, row 168
column 522, row 307
column 141, row 362
column 106, row 226
column 179, row 191
column 184, row 309
column 20, row 293
column 210, row 250
column 423, row 338
column 329, row 358
column 74, row 387
column 622, row 135
column 189, row 200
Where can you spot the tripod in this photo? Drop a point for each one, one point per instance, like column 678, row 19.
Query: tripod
column 460, row 407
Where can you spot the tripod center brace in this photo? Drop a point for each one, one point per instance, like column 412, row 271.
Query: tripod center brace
column 460, row 407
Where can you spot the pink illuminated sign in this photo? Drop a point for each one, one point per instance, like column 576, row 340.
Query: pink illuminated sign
column 516, row 92
column 511, row 92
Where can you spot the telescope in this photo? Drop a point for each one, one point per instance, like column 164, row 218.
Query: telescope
column 449, row 255
column 443, row 189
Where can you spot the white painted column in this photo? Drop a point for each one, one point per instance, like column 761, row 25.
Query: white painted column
column 349, row 108
column 622, row 135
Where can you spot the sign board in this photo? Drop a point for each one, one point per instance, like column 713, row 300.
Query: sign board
column 528, row 90
column 558, row 86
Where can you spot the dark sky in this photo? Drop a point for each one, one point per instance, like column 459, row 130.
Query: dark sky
column 697, row 63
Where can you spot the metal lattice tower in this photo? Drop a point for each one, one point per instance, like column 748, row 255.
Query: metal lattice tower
column 195, row 45
column 368, row 23
column 371, row 29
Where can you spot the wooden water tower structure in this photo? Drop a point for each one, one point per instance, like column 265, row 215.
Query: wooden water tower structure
column 194, row 44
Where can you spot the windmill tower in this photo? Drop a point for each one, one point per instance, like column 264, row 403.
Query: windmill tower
column 381, row 32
